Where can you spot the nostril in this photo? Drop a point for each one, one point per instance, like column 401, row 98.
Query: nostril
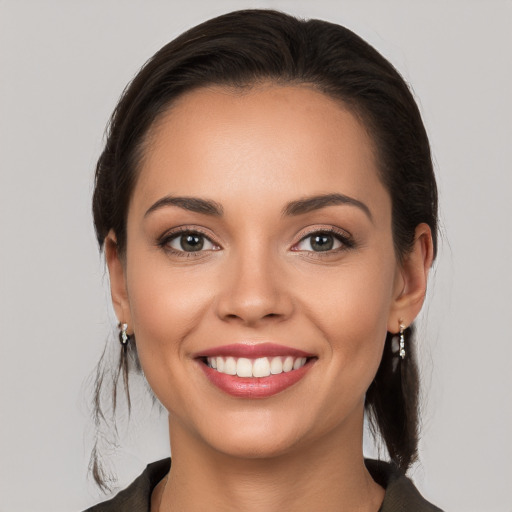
column 252, row 306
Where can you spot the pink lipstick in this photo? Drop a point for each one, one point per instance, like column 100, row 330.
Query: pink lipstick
column 254, row 371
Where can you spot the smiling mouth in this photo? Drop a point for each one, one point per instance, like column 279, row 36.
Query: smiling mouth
column 260, row 367
column 254, row 370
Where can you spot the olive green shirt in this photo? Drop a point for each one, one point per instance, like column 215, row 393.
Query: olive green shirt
column 401, row 495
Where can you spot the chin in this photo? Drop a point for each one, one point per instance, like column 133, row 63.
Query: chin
column 266, row 447
column 254, row 439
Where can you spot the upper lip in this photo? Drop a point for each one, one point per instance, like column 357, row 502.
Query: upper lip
column 252, row 351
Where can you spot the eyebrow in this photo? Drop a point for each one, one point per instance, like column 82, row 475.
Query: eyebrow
column 299, row 207
column 193, row 204
column 308, row 204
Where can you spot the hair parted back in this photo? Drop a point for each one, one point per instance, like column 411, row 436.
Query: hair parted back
column 242, row 49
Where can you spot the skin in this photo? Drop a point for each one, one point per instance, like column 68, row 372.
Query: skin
column 253, row 152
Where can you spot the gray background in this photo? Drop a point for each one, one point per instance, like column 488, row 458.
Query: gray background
column 63, row 65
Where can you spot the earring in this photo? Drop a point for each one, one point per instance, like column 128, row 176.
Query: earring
column 124, row 337
column 402, row 340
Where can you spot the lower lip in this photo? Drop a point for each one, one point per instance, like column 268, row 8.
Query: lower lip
column 255, row 387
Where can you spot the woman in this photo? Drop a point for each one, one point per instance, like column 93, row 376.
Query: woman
column 268, row 211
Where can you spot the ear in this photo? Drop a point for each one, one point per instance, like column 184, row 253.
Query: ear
column 118, row 290
column 411, row 280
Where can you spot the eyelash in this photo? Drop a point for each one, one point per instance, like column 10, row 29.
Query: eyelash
column 346, row 241
column 164, row 241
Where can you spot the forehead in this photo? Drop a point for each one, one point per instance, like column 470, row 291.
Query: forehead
column 266, row 140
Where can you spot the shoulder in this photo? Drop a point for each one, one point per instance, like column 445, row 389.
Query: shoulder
column 137, row 496
column 401, row 494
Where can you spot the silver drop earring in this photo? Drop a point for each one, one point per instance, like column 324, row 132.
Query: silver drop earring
column 124, row 337
column 402, row 341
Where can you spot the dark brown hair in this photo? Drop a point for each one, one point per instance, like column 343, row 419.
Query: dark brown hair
column 241, row 49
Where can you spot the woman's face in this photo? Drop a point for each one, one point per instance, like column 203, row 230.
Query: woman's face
column 259, row 239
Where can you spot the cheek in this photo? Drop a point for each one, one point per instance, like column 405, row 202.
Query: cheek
column 356, row 298
column 166, row 308
column 166, row 305
column 353, row 317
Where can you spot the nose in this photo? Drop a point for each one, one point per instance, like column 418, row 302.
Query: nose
column 255, row 291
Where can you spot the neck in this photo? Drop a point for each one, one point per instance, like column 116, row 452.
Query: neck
column 329, row 476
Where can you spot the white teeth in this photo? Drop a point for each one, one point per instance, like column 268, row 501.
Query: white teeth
column 261, row 367
column 230, row 367
column 301, row 361
column 288, row 364
column 244, row 367
column 276, row 366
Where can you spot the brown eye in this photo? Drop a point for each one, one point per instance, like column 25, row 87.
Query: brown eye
column 320, row 242
column 190, row 242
